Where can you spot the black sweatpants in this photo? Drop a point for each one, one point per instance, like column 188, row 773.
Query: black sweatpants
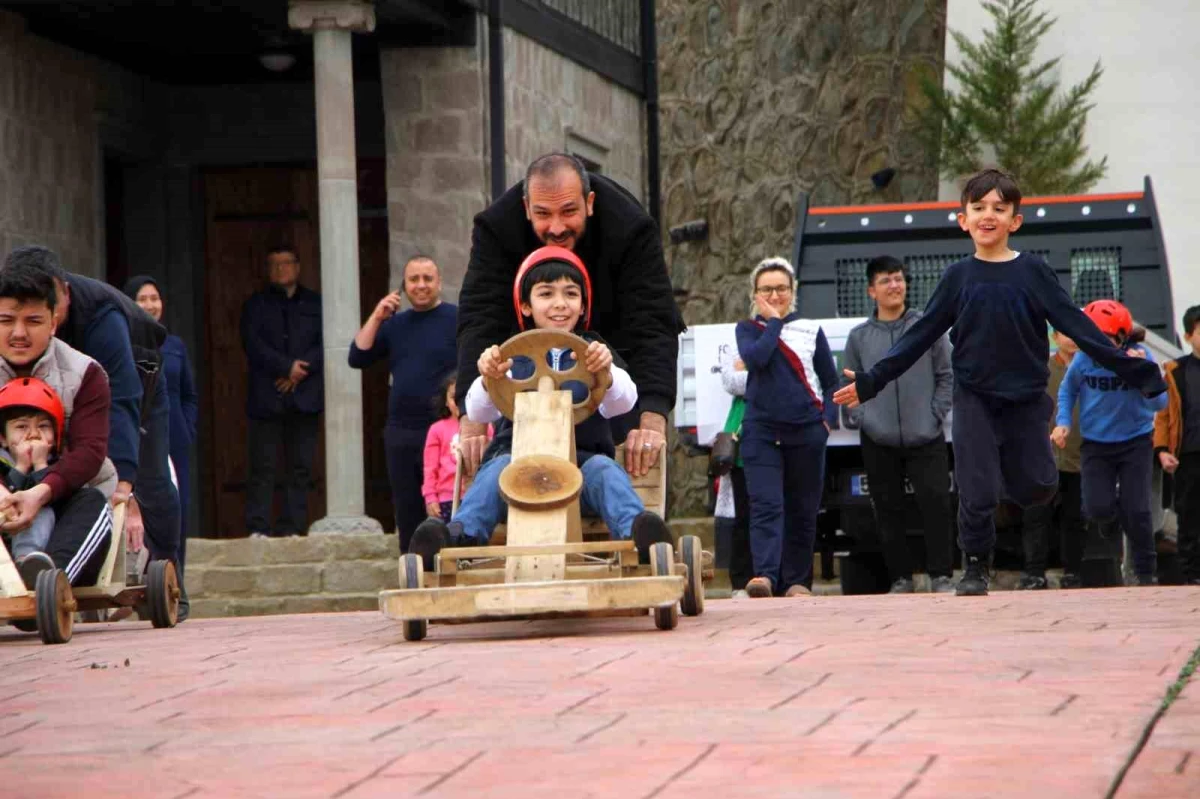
column 1187, row 509
column 927, row 468
column 297, row 432
column 82, row 532
column 405, row 449
column 1039, row 519
column 1128, row 464
column 1001, row 451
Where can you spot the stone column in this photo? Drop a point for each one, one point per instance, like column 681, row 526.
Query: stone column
column 332, row 24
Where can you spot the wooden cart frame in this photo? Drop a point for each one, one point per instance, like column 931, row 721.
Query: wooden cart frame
column 546, row 569
column 51, row 606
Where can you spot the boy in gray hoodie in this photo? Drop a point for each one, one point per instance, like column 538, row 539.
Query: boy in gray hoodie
column 902, row 431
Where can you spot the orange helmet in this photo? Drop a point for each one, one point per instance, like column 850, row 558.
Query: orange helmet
column 1111, row 317
column 540, row 256
column 29, row 392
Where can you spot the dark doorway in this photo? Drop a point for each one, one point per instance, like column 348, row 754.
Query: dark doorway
column 246, row 211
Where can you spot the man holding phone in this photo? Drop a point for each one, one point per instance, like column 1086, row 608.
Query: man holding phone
column 419, row 345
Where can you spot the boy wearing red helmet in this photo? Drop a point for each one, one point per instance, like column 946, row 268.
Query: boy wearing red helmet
column 552, row 291
column 1116, row 423
column 31, row 424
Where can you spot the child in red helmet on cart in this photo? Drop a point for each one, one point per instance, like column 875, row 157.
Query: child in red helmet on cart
column 1116, row 422
column 31, row 424
column 552, row 291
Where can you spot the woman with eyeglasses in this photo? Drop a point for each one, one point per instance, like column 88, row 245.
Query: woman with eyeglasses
column 789, row 410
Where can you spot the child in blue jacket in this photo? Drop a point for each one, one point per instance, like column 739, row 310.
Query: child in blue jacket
column 1117, row 424
column 789, row 408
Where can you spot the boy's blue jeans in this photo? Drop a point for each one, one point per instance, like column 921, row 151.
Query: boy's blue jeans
column 607, row 493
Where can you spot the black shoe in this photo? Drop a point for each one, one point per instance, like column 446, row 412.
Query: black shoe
column 649, row 529
column 428, row 540
column 903, row 585
column 33, row 564
column 1070, row 580
column 1144, row 579
column 1032, row 582
column 974, row 581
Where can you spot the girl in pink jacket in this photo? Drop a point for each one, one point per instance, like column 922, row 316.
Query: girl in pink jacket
column 441, row 453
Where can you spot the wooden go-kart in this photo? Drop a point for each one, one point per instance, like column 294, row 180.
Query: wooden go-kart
column 546, row 569
column 50, row 608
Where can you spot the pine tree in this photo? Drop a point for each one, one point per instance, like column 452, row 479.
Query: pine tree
column 1008, row 109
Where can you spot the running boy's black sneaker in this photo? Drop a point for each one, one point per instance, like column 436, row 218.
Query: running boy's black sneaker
column 650, row 529
column 1070, row 580
column 974, row 581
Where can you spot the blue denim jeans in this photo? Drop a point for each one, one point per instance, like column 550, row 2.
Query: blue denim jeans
column 607, row 493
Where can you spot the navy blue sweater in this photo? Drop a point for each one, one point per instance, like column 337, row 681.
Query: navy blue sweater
column 420, row 351
column 999, row 312
column 775, row 391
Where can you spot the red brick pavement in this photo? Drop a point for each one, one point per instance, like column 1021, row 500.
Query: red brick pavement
column 1016, row 694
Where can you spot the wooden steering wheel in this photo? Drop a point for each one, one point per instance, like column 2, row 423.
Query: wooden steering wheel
column 534, row 345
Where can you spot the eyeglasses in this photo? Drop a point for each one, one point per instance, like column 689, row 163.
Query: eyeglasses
column 767, row 291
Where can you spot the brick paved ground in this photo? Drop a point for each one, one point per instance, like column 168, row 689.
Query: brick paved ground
column 1016, row 694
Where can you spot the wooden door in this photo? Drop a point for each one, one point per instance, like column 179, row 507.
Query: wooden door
column 247, row 211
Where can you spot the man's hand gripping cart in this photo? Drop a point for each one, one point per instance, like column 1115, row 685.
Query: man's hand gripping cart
column 51, row 606
column 546, row 569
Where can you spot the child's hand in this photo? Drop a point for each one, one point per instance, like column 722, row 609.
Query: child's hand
column 1135, row 352
column 1169, row 462
column 434, row 510
column 1059, row 436
column 847, row 395
column 490, row 365
column 23, row 452
column 597, row 358
column 39, row 451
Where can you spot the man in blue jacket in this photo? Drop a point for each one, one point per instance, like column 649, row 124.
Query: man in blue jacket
column 903, row 431
column 102, row 322
column 285, row 394
column 418, row 370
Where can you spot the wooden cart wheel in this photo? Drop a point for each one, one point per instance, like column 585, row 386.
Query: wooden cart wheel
column 55, row 607
column 412, row 575
column 162, row 593
column 661, row 560
column 540, row 482
column 691, row 554
column 534, row 344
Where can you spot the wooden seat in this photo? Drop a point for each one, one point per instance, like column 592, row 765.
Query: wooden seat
column 651, row 487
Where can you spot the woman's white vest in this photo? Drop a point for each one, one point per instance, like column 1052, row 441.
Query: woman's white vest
column 62, row 367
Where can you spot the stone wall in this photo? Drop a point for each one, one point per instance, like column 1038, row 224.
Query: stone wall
column 761, row 101
column 554, row 104
column 435, row 109
column 49, row 153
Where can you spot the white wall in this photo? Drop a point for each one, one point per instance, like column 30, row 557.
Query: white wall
column 1147, row 114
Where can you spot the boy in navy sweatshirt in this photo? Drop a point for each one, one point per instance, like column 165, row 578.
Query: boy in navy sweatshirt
column 1116, row 422
column 552, row 290
column 998, row 302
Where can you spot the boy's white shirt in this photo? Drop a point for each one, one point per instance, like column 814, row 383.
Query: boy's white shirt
column 620, row 398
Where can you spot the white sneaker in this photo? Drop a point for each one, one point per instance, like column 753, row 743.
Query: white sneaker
column 739, row 594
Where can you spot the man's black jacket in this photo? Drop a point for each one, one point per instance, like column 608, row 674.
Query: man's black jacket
column 633, row 307
column 277, row 330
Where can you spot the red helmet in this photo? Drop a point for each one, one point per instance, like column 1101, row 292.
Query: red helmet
column 29, row 392
column 540, row 256
column 1111, row 317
